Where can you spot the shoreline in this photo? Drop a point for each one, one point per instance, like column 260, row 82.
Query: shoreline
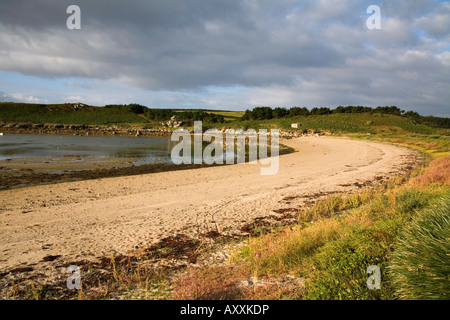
column 90, row 130
column 162, row 220
column 31, row 173
column 28, row 172
column 92, row 218
column 81, row 130
column 30, row 178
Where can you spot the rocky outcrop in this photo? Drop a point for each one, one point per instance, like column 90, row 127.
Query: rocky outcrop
column 172, row 123
column 302, row 133
column 87, row 130
column 80, row 130
column 79, row 106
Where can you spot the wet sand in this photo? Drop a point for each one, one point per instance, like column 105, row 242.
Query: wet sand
column 23, row 172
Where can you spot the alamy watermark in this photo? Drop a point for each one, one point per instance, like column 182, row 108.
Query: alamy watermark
column 374, row 21
column 374, row 281
column 257, row 147
column 74, row 20
column 74, row 281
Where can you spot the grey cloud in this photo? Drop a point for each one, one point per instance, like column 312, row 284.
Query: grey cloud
column 136, row 14
column 437, row 24
column 408, row 10
column 161, row 44
column 306, row 49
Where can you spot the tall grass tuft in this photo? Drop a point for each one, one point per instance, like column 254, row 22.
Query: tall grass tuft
column 420, row 264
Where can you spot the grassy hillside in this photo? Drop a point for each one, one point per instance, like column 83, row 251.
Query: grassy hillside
column 345, row 123
column 65, row 114
column 118, row 115
column 129, row 115
column 435, row 145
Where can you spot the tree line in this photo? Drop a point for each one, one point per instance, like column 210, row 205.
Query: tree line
column 267, row 113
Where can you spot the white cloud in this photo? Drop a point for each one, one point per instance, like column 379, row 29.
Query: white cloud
column 18, row 97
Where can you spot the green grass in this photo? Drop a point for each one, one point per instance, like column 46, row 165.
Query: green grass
column 65, row 114
column 435, row 145
column 344, row 123
column 90, row 115
column 229, row 115
column 333, row 253
column 420, row 265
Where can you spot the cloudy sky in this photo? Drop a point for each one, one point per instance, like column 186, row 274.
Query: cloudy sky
column 228, row 54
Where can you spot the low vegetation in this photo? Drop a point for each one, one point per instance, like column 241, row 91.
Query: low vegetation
column 119, row 115
column 341, row 120
column 66, row 114
column 267, row 113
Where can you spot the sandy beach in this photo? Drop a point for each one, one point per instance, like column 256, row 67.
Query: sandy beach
column 88, row 219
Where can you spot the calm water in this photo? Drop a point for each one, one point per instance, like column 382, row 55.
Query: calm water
column 147, row 149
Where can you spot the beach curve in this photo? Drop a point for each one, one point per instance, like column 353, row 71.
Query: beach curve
column 88, row 219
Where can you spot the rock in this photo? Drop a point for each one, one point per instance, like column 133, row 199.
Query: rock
column 79, row 106
column 173, row 123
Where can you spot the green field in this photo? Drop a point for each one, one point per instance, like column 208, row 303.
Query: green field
column 229, row 115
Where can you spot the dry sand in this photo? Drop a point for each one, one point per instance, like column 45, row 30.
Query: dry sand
column 87, row 219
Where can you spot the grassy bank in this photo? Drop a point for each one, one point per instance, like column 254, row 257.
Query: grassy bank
column 345, row 123
column 434, row 145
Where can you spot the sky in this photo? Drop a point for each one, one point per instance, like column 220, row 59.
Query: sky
column 228, row 54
